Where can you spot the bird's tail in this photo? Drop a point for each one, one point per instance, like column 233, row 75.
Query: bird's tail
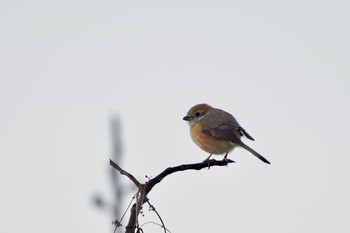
column 254, row 153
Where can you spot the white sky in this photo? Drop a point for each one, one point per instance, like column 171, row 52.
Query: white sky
column 280, row 67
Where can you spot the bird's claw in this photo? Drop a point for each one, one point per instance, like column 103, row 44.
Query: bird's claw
column 227, row 160
column 208, row 162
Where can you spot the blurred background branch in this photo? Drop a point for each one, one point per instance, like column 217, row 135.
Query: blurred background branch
column 114, row 207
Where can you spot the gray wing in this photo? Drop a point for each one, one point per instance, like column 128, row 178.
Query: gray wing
column 227, row 128
column 224, row 126
column 230, row 132
column 234, row 133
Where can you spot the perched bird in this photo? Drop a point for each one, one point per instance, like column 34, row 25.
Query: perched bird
column 216, row 131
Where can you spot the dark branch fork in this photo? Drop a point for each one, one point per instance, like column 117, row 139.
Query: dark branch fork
column 144, row 189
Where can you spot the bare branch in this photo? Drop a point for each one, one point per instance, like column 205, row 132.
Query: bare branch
column 160, row 218
column 117, row 222
column 151, row 222
column 130, row 228
column 144, row 189
column 123, row 172
column 194, row 166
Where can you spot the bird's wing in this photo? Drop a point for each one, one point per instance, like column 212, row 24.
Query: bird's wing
column 230, row 132
column 244, row 133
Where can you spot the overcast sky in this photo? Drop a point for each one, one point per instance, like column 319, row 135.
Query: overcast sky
column 280, row 67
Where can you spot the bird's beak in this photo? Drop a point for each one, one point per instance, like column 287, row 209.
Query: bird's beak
column 186, row 118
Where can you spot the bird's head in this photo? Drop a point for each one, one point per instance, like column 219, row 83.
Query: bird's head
column 197, row 113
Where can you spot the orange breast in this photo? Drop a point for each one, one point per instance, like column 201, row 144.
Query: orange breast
column 208, row 143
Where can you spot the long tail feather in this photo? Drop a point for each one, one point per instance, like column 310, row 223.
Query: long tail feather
column 254, row 153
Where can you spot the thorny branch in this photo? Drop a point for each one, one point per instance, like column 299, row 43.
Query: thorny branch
column 144, row 189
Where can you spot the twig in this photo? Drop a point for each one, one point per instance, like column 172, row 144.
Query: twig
column 160, row 218
column 123, row 172
column 118, row 223
column 154, row 224
column 141, row 198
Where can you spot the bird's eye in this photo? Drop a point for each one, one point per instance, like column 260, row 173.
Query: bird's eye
column 197, row 114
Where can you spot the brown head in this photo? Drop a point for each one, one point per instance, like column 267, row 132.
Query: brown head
column 197, row 113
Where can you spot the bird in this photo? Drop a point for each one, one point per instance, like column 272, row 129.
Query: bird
column 216, row 131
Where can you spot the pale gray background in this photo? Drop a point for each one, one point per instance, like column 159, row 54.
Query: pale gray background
column 281, row 67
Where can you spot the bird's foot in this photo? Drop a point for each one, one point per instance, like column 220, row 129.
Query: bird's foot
column 227, row 160
column 207, row 160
